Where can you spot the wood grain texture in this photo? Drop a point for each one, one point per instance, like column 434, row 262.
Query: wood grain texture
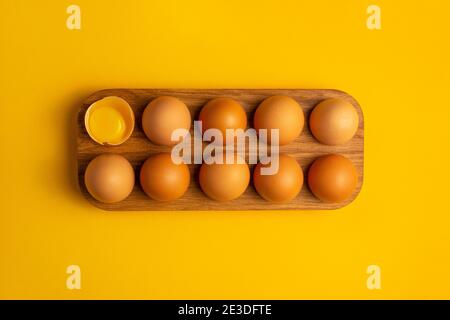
column 138, row 148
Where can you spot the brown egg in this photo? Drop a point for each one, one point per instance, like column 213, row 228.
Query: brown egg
column 332, row 178
column 162, row 179
column 222, row 114
column 109, row 178
column 334, row 121
column 284, row 185
column 282, row 113
column 224, row 182
column 162, row 116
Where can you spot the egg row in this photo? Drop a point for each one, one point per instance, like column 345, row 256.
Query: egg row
column 110, row 178
column 111, row 120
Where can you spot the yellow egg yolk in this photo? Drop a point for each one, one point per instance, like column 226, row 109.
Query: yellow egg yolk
column 107, row 124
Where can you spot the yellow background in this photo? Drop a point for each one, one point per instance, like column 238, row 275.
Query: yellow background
column 400, row 75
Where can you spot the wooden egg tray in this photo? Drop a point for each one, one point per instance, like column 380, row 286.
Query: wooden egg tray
column 138, row 148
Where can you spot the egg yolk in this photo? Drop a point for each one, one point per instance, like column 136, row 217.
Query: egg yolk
column 107, row 124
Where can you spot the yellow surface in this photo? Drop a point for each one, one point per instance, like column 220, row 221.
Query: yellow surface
column 105, row 121
column 400, row 221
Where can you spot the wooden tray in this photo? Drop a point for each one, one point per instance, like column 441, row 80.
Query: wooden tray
column 138, row 148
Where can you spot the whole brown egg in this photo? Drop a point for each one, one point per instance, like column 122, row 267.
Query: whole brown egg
column 162, row 117
column 221, row 114
column 109, row 178
column 224, row 181
column 332, row 178
column 162, row 179
column 282, row 186
column 282, row 113
column 334, row 121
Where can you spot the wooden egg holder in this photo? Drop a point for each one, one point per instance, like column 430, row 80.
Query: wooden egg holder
column 138, row 148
